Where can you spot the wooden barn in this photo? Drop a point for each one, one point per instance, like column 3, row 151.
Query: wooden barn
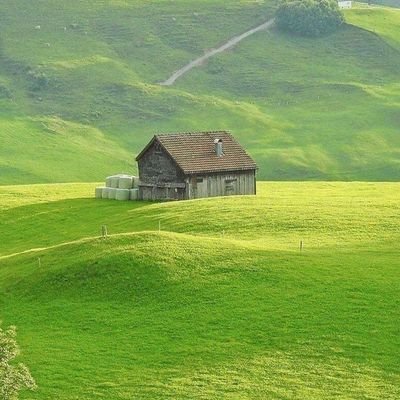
column 193, row 165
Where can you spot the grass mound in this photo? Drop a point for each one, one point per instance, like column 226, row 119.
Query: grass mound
column 155, row 315
column 222, row 307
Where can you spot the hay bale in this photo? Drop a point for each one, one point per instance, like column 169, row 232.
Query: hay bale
column 122, row 194
column 114, row 181
column 125, row 182
column 112, row 193
column 98, row 193
column 108, row 181
column 135, row 181
column 134, row 194
column 104, row 193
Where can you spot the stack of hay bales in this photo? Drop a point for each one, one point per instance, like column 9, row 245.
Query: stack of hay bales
column 119, row 187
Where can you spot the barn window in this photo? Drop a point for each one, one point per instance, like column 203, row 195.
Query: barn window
column 230, row 185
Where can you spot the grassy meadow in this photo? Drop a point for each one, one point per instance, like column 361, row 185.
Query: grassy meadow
column 220, row 303
column 290, row 294
column 388, row 3
column 80, row 96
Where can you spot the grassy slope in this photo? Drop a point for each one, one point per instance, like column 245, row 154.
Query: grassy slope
column 388, row 3
column 220, row 304
column 332, row 114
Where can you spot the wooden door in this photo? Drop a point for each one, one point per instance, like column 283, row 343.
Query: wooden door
column 199, row 187
column 202, row 188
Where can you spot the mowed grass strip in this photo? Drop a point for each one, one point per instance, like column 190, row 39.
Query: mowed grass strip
column 281, row 215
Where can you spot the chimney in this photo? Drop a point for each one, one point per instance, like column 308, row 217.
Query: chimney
column 218, row 147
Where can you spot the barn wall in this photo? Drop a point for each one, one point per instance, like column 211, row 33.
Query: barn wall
column 222, row 184
column 156, row 166
column 155, row 192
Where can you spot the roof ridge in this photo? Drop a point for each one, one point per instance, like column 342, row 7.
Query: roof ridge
column 192, row 133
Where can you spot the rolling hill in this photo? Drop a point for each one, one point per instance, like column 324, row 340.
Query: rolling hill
column 80, row 93
column 221, row 303
column 388, row 3
column 290, row 294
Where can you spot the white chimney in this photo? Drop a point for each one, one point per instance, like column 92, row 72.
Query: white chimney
column 218, row 147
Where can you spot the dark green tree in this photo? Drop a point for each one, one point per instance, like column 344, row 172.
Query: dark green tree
column 13, row 378
column 311, row 18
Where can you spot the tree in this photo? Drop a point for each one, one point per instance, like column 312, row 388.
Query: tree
column 309, row 17
column 13, row 378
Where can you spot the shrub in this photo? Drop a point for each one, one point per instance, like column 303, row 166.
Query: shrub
column 309, row 17
column 39, row 80
column 13, row 378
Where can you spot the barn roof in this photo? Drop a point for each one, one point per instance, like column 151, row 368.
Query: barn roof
column 195, row 152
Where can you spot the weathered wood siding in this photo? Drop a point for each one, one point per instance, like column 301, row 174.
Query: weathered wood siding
column 161, row 192
column 156, row 166
column 221, row 184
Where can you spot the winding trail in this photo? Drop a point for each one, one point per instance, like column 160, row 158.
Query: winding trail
column 226, row 46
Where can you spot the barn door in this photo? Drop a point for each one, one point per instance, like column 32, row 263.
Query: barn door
column 202, row 187
column 199, row 187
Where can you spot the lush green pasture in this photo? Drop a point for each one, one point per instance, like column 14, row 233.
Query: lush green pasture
column 388, row 3
column 320, row 214
column 377, row 20
column 29, row 195
column 220, row 304
column 79, row 97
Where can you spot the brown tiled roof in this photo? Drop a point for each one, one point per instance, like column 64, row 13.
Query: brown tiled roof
column 195, row 152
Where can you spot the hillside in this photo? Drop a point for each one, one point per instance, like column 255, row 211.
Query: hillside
column 79, row 97
column 222, row 306
column 388, row 3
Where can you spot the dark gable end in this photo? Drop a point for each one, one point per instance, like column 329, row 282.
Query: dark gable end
column 157, row 166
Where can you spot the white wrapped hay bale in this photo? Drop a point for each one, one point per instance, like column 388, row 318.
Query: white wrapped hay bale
column 122, row 194
column 125, row 182
column 98, row 193
column 114, row 181
column 112, row 192
column 134, row 194
column 135, row 182
column 104, row 193
column 108, row 181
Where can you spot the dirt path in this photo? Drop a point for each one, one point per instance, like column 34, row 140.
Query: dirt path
column 227, row 45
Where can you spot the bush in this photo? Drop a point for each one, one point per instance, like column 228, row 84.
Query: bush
column 309, row 17
column 39, row 80
column 13, row 378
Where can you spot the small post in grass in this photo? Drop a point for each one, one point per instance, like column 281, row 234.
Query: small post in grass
column 39, row 262
column 301, row 245
column 104, row 232
column 159, row 225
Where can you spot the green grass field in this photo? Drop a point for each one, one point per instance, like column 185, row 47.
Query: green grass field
column 388, row 3
column 221, row 303
column 79, row 97
column 211, row 298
